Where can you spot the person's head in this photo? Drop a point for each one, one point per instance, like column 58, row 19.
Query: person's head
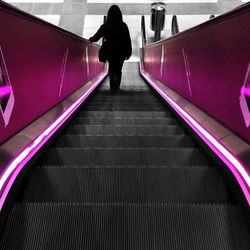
column 114, row 15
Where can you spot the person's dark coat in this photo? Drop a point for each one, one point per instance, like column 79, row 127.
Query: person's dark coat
column 116, row 47
column 117, row 38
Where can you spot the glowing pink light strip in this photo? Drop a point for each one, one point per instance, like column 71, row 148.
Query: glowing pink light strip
column 6, row 90
column 245, row 91
column 228, row 158
column 13, row 169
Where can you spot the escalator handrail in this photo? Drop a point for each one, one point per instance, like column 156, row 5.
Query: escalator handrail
column 143, row 31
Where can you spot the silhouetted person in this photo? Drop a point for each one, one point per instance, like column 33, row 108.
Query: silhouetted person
column 117, row 39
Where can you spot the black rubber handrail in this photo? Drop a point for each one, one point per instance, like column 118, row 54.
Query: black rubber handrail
column 143, row 31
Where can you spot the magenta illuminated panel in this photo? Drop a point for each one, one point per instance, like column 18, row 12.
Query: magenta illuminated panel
column 13, row 169
column 208, row 66
column 237, row 168
column 45, row 65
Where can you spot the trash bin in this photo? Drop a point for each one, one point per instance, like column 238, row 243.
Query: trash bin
column 174, row 26
column 158, row 10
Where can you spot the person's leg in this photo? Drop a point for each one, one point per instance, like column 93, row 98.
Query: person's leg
column 118, row 80
column 118, row 73
column 111, row 74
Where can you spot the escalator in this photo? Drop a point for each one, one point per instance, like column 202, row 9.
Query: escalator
column 124, row 174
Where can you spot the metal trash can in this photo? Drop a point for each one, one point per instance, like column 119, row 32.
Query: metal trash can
column 174, row 26
column 158, row 10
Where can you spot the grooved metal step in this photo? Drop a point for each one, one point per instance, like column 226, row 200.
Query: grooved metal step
column 123, row 107
column 125, row 114
column 123, row 121
column 125, row 130
column 122, row 156
column 143, row 103
column 181, row 141
column 128, row 94
column 125, row 226
column 142, row 185
column 125, row 99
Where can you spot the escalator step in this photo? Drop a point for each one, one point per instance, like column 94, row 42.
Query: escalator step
column 108, row 226
column 121, row 156
column 124, row 121
column 148, row 100
column 142, row 103
column 128, row 94
column 125, row 114
column 123, row 107
column 140, row 185
column 124, row 130
column 125, row 141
